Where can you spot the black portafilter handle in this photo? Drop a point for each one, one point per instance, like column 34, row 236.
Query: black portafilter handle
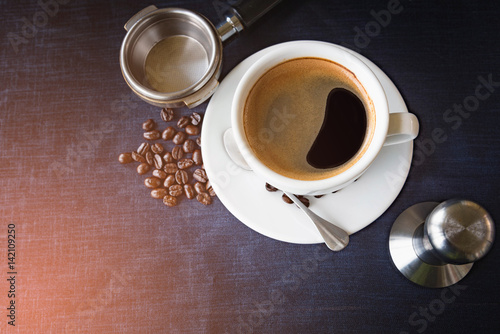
column 243, row 15
column 252, row 10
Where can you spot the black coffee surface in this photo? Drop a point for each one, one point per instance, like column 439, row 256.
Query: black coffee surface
column 285, row 111
column 342, row 133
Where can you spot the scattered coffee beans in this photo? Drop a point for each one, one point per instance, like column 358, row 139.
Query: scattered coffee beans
column 159, row 174
column 168, row 133
column 137, row 157
column 189, row 146
column 287, row 199
column 198, row 160
column 170, row 168
column 183, row 122
column 189, row 191
column 158, row 161
column 170, row 200
column 152, row 135
column 209, row 189
column 143, row 149
column 200, row 175
column 152, row 182
column 168, row 157
column 192, row 130
column 143, row 168
column 167, row 114
column 185, row 163
column 175, row 190
column 157, row 148
column 148, row 125
column 177, row 153
column 125, row 158
column 172, row 173
column 179, row 138
column 270, row 188
column 204, row 198
column 195, row 119
column 304, row 200
column 149, row 158
column 199, row 187
column 181, row 177
column 169, row 181
column 159, row 193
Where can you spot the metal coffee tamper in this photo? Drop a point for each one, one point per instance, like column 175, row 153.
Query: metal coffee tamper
column 435, row 244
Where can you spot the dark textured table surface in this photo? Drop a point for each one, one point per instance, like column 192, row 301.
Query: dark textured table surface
column 96, row 254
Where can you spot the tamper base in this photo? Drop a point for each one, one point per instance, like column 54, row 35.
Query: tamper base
column 405, row 258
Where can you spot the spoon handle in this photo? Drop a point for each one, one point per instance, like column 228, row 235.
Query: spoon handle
column 335, row 238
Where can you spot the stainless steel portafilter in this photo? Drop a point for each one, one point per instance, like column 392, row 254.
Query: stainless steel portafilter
column 435, row 245
column 172, row 57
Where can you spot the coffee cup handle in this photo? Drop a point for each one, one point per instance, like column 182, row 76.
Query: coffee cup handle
column 403, row 127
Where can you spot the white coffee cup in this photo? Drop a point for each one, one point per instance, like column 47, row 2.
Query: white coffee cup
column 389, row 129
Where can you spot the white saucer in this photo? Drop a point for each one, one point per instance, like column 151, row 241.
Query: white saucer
column 244, row 194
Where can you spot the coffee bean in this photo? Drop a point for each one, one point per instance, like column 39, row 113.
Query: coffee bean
column 152, row 135
column 209, row 189
column 304, row 200
column 189, row 191
column 199, row 187
column 192, row 130
column 143, row 168
column 159, row 174
column 149, row 158
column 198, row 160
column 175, row 190
column 170, row 178
column 185, row 163
column 137, row 157
column 167, row 114
column 148, row 125
column 159, row 193
column 204, row 198
column 195, row 118
column 158, row 160
column 183, row 122
column 152, row 182
column 179, row 138
column 169, row 181
column 168, row 133
column 170, row 168
column 189, row 146
column 270, row 188
column 157, row 148
column 125, row 158
column 200, row 175
column 143, row 149
column 182, row 177
column 177, row 152
column 168, row 157
column 286, row 199
column 170, row 200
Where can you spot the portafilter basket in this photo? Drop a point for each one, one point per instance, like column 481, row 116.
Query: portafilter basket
column 172, row 57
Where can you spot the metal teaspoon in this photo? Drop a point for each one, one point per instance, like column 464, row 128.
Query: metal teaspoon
column 335, row 238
